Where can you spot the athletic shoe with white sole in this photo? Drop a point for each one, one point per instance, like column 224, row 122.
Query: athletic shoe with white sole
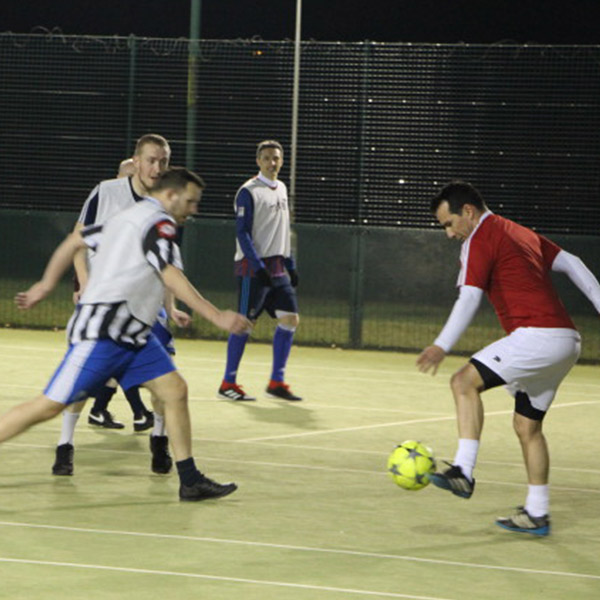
column 523, row 522
column 454, row 481
column 104, row 419
column 232, row 391
column 143, row 421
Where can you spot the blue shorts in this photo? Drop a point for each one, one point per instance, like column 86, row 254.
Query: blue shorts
column 88, row 365
column 254, row 297
column 161, row 330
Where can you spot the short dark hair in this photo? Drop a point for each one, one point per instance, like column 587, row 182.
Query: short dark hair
column 457, row 194
column 268, row 144
column 178, row 178
column 151, row 138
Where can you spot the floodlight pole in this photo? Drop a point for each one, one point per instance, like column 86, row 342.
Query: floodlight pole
column 193, row 53
column 295, row 104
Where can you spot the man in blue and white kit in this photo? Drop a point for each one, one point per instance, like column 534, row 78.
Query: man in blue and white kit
column 265, row 270
column 150, row 159
column 110, row 332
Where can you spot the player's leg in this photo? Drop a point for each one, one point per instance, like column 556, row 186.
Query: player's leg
column 541, row 358
column 21, row 417
column 70, row 417
column 467, row 385
column 99, row 414
column 171, row 390
column 251, row 297
column 282, row 346
column 162, row 462
column 142, row 417
column 487, row 369
column 281, row 303
column 154, row 369
column 533, row 444
column 533, row 517
column 85, row 371
column 79, row 371
column 65, row 450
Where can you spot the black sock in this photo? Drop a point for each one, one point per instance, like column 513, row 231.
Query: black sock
column 102, row 398
column 135, row 401
column 188, row 473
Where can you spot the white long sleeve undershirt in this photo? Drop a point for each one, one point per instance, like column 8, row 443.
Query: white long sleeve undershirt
column 574, row 268
column 463, row 311
column 469, row 298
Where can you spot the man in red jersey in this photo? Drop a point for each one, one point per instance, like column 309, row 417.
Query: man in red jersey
column 512, row 265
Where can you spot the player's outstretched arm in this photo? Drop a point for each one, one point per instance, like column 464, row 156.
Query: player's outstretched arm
column 179, row 317
column 59, row 262
column 462, row 313
column 180, row 285
column 80, row 265
column 576, row 270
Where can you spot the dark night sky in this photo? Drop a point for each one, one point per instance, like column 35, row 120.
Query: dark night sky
column 471, row 21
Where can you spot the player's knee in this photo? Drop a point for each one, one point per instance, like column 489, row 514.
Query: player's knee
column 173, row 390
column 460, row 383
column 180, row 390
column 466, row 381
column 46, row 409
column 526, row 429
column 289, row 320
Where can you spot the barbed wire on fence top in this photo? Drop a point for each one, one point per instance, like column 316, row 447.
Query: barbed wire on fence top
column 168, row 46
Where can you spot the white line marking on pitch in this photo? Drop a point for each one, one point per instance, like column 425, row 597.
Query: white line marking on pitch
column 276, row 465
column 392, row 370
column 396, row 424
column 334, row 551
column 261, row 582
column 382, row 454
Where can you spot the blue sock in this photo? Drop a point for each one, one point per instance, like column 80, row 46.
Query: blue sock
column 235, row 350
column 282, row 344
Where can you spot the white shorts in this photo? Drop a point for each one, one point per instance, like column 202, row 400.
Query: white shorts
column 533, row 360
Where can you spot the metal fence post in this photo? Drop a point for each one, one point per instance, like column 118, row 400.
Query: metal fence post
column 358, row 237
column 132, row 43
column 193, row 53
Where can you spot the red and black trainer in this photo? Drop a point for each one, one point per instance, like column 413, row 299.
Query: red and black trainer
column 232, row 391
column 278, row 389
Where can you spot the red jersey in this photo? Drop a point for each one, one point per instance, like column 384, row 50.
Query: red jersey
column 512, row 264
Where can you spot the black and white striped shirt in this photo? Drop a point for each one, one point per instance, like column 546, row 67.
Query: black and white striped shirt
column 125, row 291
column 102, row 321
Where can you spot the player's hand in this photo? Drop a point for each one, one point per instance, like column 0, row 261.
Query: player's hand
column 430, row 358
column 263, row 278
column 36, row 293
column 233, row 322
column 180, row 318
column 77, row 293
column 294, row 278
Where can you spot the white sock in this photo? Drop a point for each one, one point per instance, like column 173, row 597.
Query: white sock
column 159, row 425
column 466, row 456
column 67, row 429
column 538, row 500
